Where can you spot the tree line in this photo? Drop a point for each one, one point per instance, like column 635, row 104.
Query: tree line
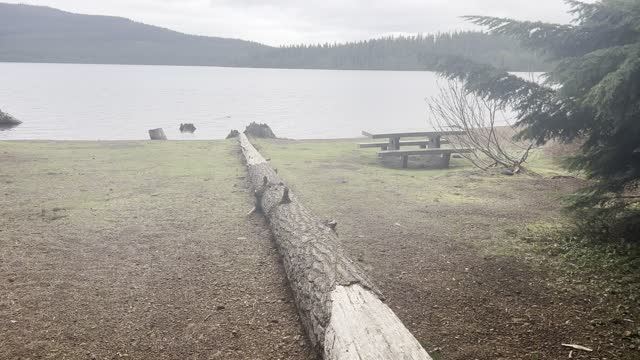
column 419, row 52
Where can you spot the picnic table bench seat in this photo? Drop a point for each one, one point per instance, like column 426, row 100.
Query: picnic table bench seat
column 435, row 151
column 445, row 152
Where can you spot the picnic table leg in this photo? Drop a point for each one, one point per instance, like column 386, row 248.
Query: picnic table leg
column 446, row 160
column 434, row 142
column 394, row 143
column 405, row 161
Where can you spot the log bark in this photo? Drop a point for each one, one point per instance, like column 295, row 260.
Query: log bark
column 340, row 308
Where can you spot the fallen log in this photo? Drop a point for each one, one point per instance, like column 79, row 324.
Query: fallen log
column 341, row 310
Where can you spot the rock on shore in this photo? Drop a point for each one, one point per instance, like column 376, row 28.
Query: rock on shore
column 7, row 121
column 259, row 131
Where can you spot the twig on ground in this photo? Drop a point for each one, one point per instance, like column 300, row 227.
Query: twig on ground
column 577, row 347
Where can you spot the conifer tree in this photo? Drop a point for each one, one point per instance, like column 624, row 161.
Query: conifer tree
column 592, row 94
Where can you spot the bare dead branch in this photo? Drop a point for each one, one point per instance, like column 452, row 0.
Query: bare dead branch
column 486, row 126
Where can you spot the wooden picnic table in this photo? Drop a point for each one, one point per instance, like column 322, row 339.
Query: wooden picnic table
column 430, row 146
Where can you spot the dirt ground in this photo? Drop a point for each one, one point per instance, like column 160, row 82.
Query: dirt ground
column 449, row 250
column 137, row 250
column 143, row 250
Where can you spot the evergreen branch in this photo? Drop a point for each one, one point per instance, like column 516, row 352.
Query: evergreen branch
column 597, row 26
column 586, row 71
column 553, row 39
column 607, row 11
column 581, row 9
column 535, row 104
column 614, row 94
column 488, row 81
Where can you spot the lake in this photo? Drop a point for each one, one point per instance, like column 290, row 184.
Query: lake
column 118, row 102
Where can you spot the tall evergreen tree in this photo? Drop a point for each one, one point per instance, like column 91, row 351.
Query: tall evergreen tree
column 592, row 94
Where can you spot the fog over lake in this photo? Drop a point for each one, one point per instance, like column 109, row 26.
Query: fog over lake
column 117, row 102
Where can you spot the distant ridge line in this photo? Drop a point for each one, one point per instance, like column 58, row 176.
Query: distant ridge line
column 41, row 34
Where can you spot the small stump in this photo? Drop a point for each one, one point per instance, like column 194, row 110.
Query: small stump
column 233, row 134
column 157, row 134
column 7, row 121
column 189, row 128
column 259, row 131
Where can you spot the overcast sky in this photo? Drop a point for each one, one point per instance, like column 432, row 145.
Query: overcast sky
column 278, row 22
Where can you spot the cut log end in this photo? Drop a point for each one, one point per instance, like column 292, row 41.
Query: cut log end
column 363, row 327
column 157, row 134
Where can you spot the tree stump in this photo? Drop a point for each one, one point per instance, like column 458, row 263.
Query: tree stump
column 259, row 131
column 190, row 128
column 233, row 134
column 340, row 308
column 157, row 134
column 8, row 121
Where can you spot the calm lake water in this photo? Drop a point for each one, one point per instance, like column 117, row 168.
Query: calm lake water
column 115, row 102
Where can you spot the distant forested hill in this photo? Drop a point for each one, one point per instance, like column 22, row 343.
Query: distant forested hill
column 42, row 34
column 407, row 53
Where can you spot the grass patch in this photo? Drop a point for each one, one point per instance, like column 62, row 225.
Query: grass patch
column 92, row 178
column 616, row 263
column 359, row 175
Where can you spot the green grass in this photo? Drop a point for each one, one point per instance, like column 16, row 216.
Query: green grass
column 322, row 171
column 359, row 173
column 544, row 165
column 99, row 176
column 617, row 264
